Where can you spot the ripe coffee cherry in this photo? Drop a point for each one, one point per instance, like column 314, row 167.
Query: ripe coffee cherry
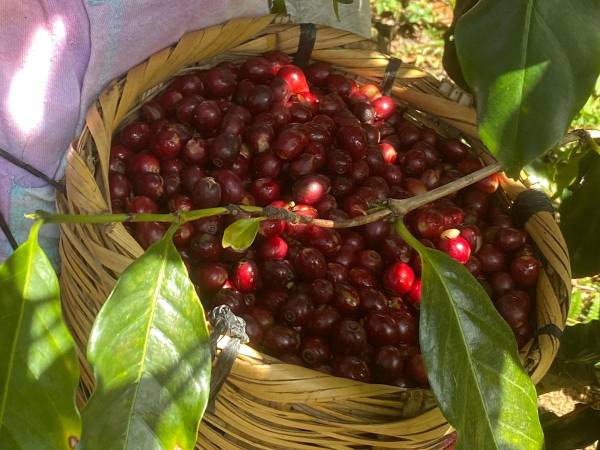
column 183, row 235
column 509, row 239
column 388, row 364
column 327, row 241
column 453, row 150
column 429, row 223
column 190, row 176
column 355, row 205
column 341, row 85
column 205, row 247
column 120, row 188
column 245, row 276
column 323, row 321
column 142, row 163
column 277, row 273
column 207, row 116
column 384, row 107
column 393, row 175
column 346, row 299
column 337, row 273
column 492, row 259
column 273, row 298
column 296, row 310
column 489, row 185
column 501, row 282
column 394, row 249
column 220, row 82
column 408, row 326
column 352, row 367
column 473, row 265
column 310, row 189
column 260, row 99
column 315, row 350
column 151, row 111
column 263, row 316
column 188, row 84
column 372, row 300
column 195, row 151
column 253, row 330
column 310, row 263
column 457, row 247
column 281, row 339
column 525, row 270
column 265, row 191
column 453, row 216
column 211, row 225
column 399, row 278
column 512, row 309
column 339, row 162
column 370, row 260
column 361, row 277
column 321, row 291
column 273, row 249
column 473, row 236
column 294, row 77
column 232, row 187
column 318, row 72
column 298, row 230
column 414, row 296
column 475, row 201
column 135, row 135
column 349, row 337
column 147, row 233
column 142, row 205
column 415, row 369
column 149, row 184
column 381, row 329
column 211, row 277
column 206, row 193
column 224, row 150
column 290, row 143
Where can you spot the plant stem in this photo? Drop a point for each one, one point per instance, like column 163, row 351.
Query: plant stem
column 397, row 207
column 401, row 207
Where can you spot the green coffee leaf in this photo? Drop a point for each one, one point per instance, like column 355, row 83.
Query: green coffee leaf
column 241, row 234
column 472, row 360
column 150, row 352
column 39, row 371
column 580, row 218
column 450, row 58
column 531, row 65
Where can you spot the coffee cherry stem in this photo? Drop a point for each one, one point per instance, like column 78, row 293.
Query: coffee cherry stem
column 402, row 207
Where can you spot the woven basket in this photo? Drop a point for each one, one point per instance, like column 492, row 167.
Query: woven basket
column 266, row 404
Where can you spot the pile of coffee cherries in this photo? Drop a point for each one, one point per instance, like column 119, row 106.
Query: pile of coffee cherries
column 341, row 301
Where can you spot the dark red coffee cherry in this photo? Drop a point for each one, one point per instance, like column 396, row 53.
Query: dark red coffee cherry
column 281, row 339
column 224, row 150
column 273, row 248
column 315, row 350
column 394, row 249
column 149, row 184
column 361, row 277
column 509, row 239
column 253, row 330
column 290, row 143
column 277, row 273
column 346, row 298
column 147, row 233
column 310, row 189
column 230, row 297
column 381, row 329
column 205, row 247
column 512, row 309
column 323, row 321
column 136, row 135
column 349, row 337
column 501, row 282
column 415, row 369
column 190, row 176
column 492, row 259
column 408, row 327
column 525, row 270
column 273, row 298
column 372, row 300
column 206, row 193
column 388, row 364
column 337, row 273
column 220, row 82
column 321, row 291
column 119, row 185
column 296, row 310
column 310, row 263
column 263, row 316
column 211, row 277
column 429, row 223
column 352, row 367
column 207, row 116
column 232, row 187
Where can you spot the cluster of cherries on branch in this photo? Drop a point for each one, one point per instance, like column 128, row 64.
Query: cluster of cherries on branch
column 342, row 301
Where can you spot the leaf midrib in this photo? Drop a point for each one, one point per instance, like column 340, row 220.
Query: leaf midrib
column 480, row 397
column 11, row 361
column 145, row 349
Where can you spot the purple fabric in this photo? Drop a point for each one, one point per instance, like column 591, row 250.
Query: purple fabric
column 55, row 57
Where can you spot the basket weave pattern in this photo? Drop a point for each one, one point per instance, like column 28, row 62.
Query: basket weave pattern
column 266, row 404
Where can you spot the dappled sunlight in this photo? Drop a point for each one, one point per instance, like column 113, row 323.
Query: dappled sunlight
column 27, row 93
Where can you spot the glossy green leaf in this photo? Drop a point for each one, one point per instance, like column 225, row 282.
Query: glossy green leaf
column 580, row 343
column 450, row 58
column 150, row 352
column 531, row 65
column 580, row 218
column 241, row 234
column 39, row 371
column 471, row 358
column 575, row 306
